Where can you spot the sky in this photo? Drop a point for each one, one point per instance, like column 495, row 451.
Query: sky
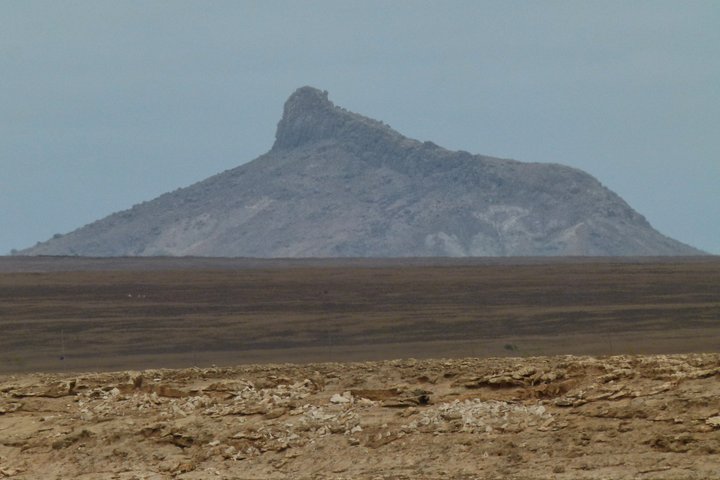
column 105, row 104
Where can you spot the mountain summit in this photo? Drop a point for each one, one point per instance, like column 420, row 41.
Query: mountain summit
column 310, row 117
column 338, row 184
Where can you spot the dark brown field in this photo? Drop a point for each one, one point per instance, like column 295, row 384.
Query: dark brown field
column 97, row 314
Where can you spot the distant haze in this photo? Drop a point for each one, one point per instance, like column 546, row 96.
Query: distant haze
column 107, row 104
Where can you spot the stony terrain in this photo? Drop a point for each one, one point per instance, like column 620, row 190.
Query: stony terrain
column 531, row 414
column 337, row 184
column 621, row 417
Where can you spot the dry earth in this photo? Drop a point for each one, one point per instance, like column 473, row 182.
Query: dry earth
column 562, row 417
column 655, row 415
column 74, row 314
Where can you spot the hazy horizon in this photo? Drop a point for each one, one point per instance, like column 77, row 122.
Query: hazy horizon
column 108, row 104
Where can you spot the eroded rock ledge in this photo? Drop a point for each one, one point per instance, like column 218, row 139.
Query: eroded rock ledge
column 557, row 417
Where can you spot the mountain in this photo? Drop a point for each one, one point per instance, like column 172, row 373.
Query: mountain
column 337, row 184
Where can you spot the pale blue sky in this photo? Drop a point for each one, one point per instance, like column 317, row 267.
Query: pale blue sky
column 104, row 104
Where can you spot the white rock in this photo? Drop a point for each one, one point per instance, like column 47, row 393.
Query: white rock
column 714, row 421
column 337, row 398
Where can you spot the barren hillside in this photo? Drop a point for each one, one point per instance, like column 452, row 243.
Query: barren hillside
column 338, row 184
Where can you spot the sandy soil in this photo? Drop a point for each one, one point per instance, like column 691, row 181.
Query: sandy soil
column 620, row 417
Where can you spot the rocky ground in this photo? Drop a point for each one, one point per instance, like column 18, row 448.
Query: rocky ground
column 545, row 417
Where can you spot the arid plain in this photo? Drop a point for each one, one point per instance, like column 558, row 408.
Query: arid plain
column 100, row 314
column 289, row 369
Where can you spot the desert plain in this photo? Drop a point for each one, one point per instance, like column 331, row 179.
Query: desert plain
column 387, row 369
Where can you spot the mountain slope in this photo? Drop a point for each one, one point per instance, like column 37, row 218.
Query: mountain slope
column 336, row 183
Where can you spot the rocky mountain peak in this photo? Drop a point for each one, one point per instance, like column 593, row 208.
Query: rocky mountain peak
column 309, row 116
column 338, row 184
column 307, row 99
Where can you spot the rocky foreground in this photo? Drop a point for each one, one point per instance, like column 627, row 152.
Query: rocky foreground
column 545, row 417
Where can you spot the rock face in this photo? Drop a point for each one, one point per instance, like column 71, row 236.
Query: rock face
column 620, row 417
column 338, row 184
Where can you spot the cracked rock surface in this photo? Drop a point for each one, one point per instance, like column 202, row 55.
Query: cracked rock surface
column 622, row 417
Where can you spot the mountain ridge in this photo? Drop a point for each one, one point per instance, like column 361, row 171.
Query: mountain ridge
column 336, row 183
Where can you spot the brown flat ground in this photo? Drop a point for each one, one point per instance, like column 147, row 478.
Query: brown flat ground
column 101, row 314
column 624, row 409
